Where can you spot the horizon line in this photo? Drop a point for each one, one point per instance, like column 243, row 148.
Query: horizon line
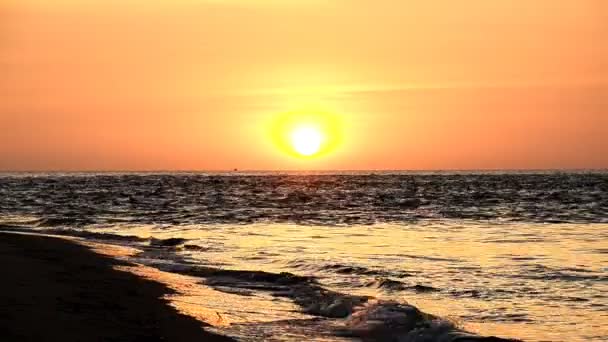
column 236, row 170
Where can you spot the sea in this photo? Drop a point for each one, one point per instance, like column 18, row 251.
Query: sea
column 336, row 256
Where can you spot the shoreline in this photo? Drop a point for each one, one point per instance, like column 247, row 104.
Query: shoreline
column 65, row 288
column 59, row 290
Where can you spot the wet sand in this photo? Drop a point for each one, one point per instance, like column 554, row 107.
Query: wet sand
column 57, row 290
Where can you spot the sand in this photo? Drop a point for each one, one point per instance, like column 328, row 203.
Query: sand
column 57, row 290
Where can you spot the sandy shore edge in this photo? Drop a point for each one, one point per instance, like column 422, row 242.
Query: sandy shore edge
column 60, row 290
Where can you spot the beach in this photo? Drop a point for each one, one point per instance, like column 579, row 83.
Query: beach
column 292, row 257
column 58, row 290
column 63, row 289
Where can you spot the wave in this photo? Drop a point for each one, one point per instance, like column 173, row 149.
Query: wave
column 108, row 237
column 393, row 321
column 396, row 285
column 363, row 317
column 344, row 269
column 542, row 272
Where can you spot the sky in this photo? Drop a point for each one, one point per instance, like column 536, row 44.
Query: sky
column 196, row 84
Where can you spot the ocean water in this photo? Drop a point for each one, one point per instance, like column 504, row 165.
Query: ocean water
column 329, row 256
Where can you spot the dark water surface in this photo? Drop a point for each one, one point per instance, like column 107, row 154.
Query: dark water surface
column 318, row 199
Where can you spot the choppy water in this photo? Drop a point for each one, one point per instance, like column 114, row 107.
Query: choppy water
column 521, row 255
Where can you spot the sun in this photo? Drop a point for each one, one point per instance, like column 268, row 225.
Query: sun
column 306, row 140
column 307, row 133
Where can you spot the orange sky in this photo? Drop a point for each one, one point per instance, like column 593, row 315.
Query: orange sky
column 191, row 84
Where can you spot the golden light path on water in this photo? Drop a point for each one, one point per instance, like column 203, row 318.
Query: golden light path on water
column 499, row 258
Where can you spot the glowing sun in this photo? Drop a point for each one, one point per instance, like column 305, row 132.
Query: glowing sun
column 307, row 133
column 306, row 140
